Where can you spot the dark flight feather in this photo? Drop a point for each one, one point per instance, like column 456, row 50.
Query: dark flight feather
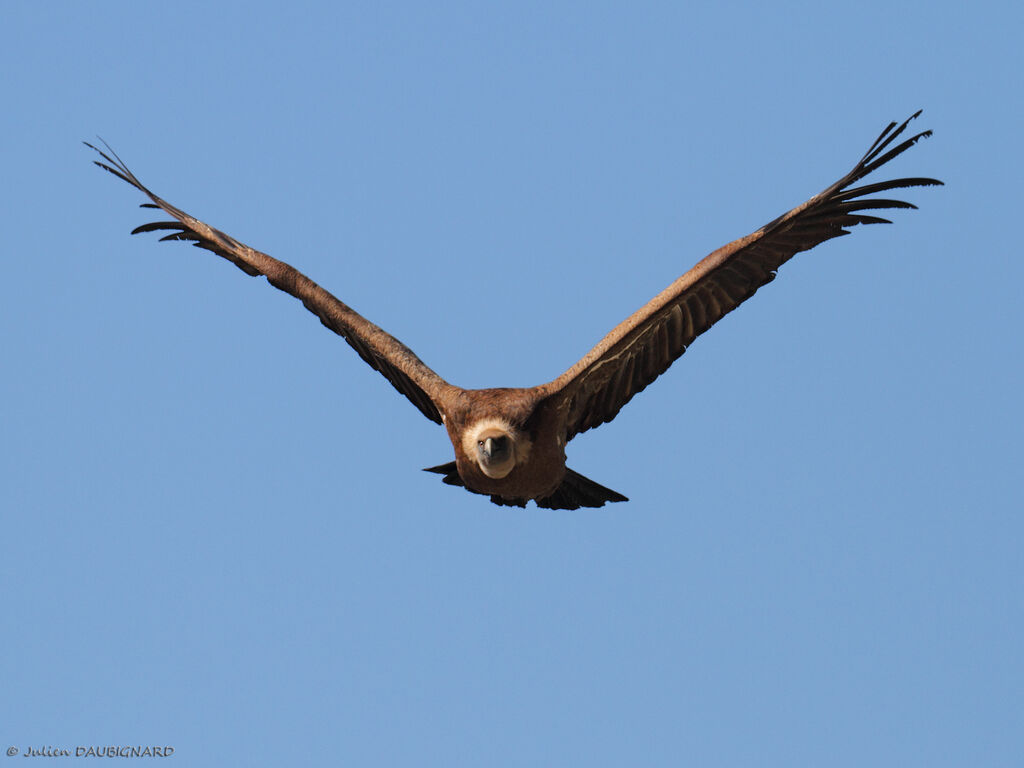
column 642, row 347
column 384, row 353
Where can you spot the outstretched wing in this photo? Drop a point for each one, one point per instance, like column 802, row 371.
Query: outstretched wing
column 643, row 346
column 384, row 353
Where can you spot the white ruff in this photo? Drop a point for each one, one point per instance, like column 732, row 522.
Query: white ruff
column 494, row 427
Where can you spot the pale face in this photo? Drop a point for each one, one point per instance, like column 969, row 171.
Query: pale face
column 495, row 452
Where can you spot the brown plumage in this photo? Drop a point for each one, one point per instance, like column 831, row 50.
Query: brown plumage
column 510, row 443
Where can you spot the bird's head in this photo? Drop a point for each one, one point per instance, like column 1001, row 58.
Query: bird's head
column 495, row 449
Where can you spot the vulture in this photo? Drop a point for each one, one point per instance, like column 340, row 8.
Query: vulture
column 510, row 442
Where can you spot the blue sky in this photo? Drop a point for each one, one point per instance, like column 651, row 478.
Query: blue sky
column 217, row 534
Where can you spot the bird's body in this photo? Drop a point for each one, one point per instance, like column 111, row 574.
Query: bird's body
column 539, row 448
column 510, row 443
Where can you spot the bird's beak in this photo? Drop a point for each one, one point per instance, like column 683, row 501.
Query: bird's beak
column 496, row 448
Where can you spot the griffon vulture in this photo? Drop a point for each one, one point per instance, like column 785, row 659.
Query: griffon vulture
column 510, row 443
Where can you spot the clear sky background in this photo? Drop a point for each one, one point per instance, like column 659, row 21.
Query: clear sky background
column 216, row 533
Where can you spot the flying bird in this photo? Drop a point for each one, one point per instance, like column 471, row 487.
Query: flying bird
column 510, row 442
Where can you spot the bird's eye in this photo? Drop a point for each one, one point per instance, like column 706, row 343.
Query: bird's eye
column 479, row 442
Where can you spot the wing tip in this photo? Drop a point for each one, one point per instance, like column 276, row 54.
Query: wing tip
column 874, row 158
